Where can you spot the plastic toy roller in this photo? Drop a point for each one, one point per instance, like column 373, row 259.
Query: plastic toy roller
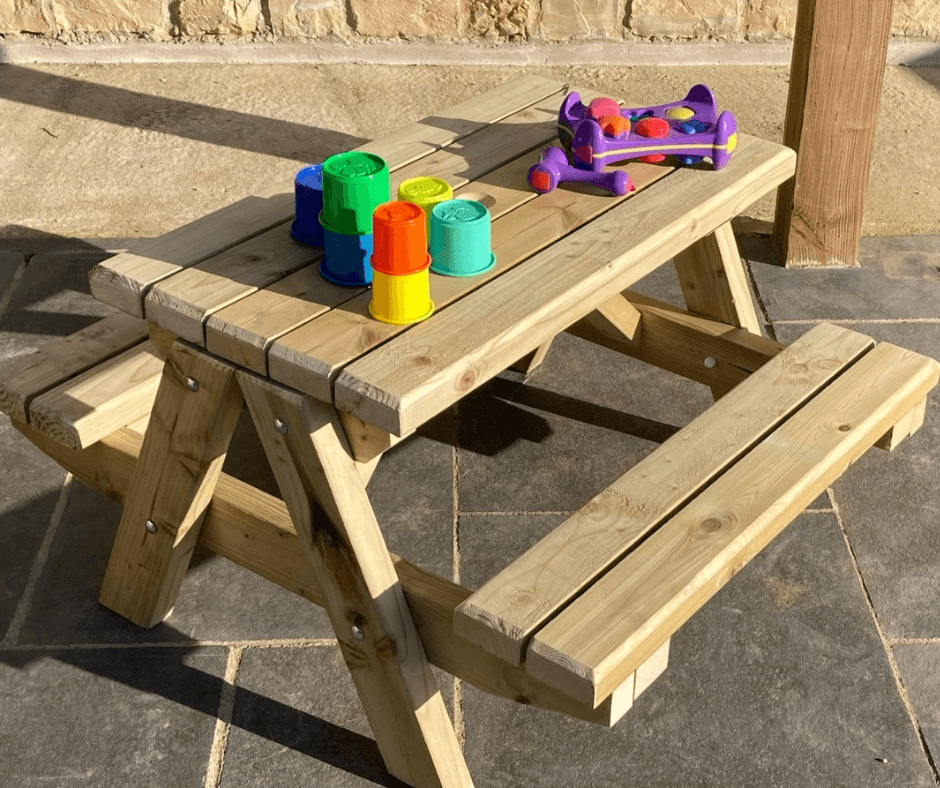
column 554, row 169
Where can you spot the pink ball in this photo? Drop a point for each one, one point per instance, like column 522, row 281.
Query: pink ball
column 603, row 106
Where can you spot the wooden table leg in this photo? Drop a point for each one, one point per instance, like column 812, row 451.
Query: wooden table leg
column 714, row 283
column 193, row 418
column 309, row 455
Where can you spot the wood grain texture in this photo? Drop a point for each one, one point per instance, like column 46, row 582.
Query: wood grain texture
column 344, row 546
column 180, row 461
column 97, row 402
column 253, row 529
column 673, row 339
column 604, row 635
column 421, row 372
column 714, row 282
column 61, row 359
column 832, row 110
column 504, row 614
column 124, row 280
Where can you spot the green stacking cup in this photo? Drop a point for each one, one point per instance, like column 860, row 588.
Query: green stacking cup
column 460, row 238
column 354, row 185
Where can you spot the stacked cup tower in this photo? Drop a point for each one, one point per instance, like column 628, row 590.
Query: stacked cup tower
column 354, row 185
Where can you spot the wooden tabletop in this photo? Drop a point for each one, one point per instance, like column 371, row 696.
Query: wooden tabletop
column 236, row 283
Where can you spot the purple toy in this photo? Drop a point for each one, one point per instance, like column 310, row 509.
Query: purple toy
column 689, row 129
column 554, row 169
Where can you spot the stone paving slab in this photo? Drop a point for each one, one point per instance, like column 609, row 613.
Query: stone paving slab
column 108, row 717
column 919, row 666
column 766, row 685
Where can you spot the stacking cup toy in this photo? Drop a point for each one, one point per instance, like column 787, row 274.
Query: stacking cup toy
column 460, row 238
column 308, row 202
column 425, row 192
column 354, row 185
column 400, row 286
column 346, row 257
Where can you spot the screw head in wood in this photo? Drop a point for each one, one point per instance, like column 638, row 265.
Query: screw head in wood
column 710, row 362
column 357, row 633
column 151, row 527
column 192, row 384
column 281, row 426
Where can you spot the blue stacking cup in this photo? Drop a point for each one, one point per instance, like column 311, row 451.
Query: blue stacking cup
column 346, row 258
column 308, row 203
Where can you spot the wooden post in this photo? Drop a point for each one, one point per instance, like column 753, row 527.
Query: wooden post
column 835, row 86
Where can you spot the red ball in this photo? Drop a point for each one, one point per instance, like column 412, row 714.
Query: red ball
column 655, row 128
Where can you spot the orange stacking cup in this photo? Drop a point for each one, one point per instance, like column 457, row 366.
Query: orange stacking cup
column 399, row 239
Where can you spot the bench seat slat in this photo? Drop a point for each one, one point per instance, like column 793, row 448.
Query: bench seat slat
column 29, row 376
column 505, row 612
column 90, row 406
column 603, row 636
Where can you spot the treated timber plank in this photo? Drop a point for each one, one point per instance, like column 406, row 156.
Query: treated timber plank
column 416, row 375
column 29, row 376
column 180, row 461
column 713, row 280
column 97, row 402
column 697, row 348
column 504, row 614
column 616, row 624
column 311, row 357
column 342, row 542
column 253, row 529
column 838, row 63
column 123, row 280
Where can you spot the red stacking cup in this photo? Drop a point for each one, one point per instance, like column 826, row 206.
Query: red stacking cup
column 399, row 239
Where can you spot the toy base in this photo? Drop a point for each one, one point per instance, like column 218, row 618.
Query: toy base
column 306, row 239
column 347, row 281
column 443, row 272
column 382, row 319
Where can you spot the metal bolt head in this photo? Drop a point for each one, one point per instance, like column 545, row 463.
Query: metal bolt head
column 151, row 527
column 281, row 426
column 357, row 633
column 192, row 384
column 710, row 362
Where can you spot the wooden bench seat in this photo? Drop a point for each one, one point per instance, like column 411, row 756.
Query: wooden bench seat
column 590, row 603
column 81, row 388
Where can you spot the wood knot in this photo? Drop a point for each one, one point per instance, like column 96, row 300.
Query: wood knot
column 466, row 380
column 254, row 258
column 422, row 361
column 711, row 525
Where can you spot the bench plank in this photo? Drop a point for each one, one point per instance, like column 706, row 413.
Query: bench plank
column 603, row 636
column 123, row 281
column 425, row 370
column 118, row 391
column 25, row 378
column 506, row 611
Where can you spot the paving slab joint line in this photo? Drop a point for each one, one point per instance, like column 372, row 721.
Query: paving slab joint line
column 223, row 722
column 35, row 572
column 759, row 299
column 183, row 644
column 895, row 670
column 860, row 321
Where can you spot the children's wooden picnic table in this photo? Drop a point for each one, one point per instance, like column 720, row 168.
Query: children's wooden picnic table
column 230, row 310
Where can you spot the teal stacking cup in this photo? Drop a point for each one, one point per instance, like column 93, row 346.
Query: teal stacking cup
column 460, row 238
column 354, row 185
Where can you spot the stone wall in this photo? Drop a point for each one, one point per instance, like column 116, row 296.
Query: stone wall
column 484, row 21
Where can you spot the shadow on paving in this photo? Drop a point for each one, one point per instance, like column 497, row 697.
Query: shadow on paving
column 129, row 108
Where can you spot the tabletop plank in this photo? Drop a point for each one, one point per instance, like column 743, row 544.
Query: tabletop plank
column 411, row 378
column 311, row 357
column 185, row 301
column 124, row 280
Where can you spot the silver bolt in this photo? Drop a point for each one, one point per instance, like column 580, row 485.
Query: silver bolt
column 710, row 362
column 192, row 384
column 151, row 527
column 281, row 426
column 357, row 633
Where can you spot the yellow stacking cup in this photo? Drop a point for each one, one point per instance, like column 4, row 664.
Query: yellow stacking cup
column 425, row 192
column 401, row 299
